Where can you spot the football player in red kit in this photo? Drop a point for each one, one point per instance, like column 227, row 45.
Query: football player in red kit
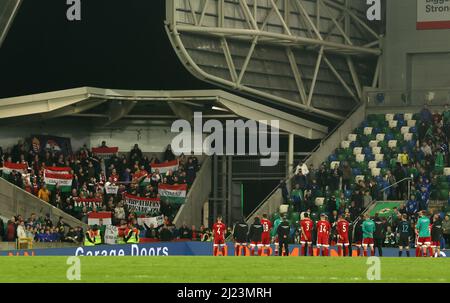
column 306, row 226
column 323, row 235
column 265, row 237
column 342, row 231
column 219, row 229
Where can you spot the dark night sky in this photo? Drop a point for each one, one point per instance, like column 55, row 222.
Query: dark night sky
column 117, row 44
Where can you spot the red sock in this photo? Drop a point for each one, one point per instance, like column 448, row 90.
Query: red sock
column 303, row 250
column 372, row 252
column 339, row 250
column 325, row 252
column 259, row 251
column 358, row 251
column 310, row 250
column 237, row 249
column 223, row 251
column 252, row 251
column 215, row 251
column 346, row 251
column 430, row 251
column 365, row 253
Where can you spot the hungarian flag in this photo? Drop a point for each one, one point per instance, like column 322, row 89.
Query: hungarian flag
column 8, row 167
column 63, row 180
column 58, row 170
column 94, row 218
column 145, row 181
column 173, row 193
column 105, row 152
column 165, row 167
column 90, row 204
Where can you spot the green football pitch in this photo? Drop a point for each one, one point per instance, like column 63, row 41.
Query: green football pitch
column 222, row 269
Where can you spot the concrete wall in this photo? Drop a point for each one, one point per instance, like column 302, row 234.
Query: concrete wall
column 191, row 211
column 413, row 58
column 150, row 139
column 14, row 201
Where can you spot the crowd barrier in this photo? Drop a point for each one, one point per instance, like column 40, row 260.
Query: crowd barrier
column 185, row 248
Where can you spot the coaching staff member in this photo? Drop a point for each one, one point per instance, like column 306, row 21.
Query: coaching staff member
column 240, row 233
column 283, row 232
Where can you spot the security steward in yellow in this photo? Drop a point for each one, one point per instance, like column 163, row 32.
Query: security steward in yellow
column 92, row 237
column 131, row 235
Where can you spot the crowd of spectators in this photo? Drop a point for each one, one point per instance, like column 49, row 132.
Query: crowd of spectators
column 343, row 195
column 90, row 175
column 39, row 229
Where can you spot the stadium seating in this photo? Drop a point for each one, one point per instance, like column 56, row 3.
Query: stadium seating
column 373, row 147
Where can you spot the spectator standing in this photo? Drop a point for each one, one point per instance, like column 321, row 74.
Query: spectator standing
column 379, row 235
column 284, row 192
column 168, row 154
column 185, row 232
column 347, row 176
column 412, row 207
column 297, row 197
column 135, row 154
column 446, row 230
column 151, row 232
column 44, row 194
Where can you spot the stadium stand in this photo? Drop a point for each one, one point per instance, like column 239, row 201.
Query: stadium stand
column 129, row 174
column 384, row 159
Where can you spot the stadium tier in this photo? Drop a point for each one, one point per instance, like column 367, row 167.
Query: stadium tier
column 98, row 186
column 382, row 161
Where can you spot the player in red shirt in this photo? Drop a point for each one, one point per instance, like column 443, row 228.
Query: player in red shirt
column 267, row 226
column 306, row 227
column 342, row 231
column 323, row 235
column 219, row 229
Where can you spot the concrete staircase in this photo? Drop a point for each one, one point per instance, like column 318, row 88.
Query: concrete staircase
column 15, row 201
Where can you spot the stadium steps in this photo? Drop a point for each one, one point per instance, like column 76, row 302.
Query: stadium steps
column 273, row 201
column 371, row 149
column 190, row 212
column 15, row 201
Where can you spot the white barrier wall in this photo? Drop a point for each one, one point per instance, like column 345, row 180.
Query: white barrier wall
column 152, row 139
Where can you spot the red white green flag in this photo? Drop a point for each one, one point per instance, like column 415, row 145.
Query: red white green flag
column 105, row 152
column 165, row 167
column 94, row 217
column 63, row 180
column 8, row 167
column 173, row 193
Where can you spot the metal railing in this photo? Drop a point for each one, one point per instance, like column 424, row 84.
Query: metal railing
column 378, row 98
column 355, row 221
column 291, row 175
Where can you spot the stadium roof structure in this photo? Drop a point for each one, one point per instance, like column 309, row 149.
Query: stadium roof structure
column 312, row 55
column 107, row 107
column 8, row 10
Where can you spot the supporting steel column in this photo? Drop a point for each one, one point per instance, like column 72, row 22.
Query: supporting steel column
column 223, row 171
column 229, row 191
column 215, row 187
column 290, row 155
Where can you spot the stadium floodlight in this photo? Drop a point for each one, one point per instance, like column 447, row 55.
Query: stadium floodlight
column 313, row 56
